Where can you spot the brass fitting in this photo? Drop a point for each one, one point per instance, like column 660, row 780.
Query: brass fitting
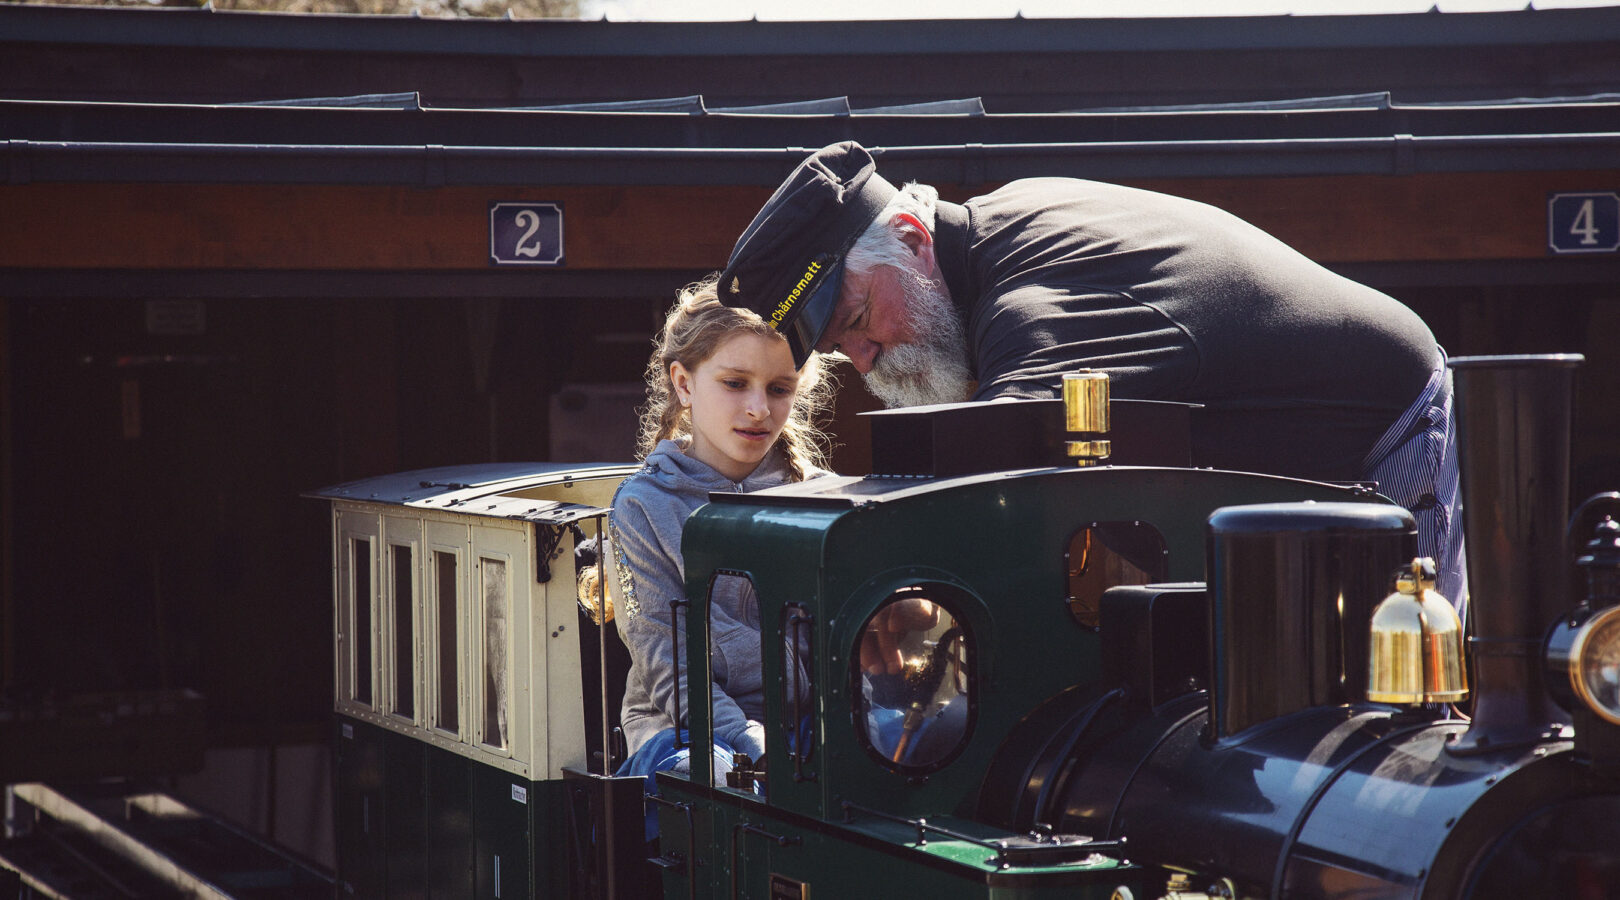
column 1085, row 409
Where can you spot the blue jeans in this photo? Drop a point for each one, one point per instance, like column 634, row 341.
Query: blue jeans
column 660, row 754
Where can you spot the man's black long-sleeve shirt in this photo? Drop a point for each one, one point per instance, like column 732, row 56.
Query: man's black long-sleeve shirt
column 1300, row 370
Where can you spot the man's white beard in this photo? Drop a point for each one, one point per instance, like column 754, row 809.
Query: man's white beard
column 935, row 368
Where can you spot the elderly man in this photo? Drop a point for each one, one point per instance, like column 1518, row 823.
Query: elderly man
column 1301, row 372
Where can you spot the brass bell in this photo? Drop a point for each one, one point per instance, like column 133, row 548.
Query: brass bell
column 1417, row 643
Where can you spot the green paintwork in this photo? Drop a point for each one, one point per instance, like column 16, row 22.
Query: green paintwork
column 864, row 860
column 419, row 821
column 1001, row 541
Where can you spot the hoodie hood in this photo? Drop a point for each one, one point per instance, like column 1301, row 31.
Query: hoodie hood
column 671, row 469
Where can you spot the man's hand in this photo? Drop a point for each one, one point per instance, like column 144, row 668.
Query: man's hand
column 880, row 645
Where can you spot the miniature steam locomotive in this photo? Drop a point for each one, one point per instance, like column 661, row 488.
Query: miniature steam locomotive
column 1135, row 679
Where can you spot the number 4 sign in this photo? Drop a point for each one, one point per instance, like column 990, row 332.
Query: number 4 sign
column 525, row 234
column 1584, row 222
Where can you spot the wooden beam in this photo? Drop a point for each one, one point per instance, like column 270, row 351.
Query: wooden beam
column 1467, row 216
column 198, row 226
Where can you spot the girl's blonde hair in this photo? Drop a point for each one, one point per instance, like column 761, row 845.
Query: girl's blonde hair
column 695, row 328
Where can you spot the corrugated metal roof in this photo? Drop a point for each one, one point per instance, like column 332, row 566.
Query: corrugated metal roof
column 690, row 105
column 407, row 100
column 345, row 141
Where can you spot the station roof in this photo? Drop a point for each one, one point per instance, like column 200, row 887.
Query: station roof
column 395, row 139
column 1017, row 65
column 236, row 97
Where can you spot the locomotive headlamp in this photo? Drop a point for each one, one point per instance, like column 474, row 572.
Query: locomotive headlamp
column 1416, row 653
column 1085, row 414
column 1585, row 648
column 1594, row 664
column 1583, row 660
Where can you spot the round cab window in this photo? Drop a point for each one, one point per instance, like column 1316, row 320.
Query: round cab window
column 914, row 680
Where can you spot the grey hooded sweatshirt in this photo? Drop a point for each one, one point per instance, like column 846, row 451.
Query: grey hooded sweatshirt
column 644, row 536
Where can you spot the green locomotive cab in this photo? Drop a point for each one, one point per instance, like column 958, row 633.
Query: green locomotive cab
column 931, row 616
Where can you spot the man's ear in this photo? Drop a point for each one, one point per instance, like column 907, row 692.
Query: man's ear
column 914, row 234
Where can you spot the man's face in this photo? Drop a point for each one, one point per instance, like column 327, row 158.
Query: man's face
column 904, row 336
column 871, row 315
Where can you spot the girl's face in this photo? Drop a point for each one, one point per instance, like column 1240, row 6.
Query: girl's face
column 740, row 398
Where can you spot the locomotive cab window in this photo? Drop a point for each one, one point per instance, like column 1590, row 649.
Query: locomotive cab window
column 738, row 647
column 1103, row 555
column 913, row 679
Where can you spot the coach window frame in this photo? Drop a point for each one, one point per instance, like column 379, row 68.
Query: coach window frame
column 402, row 534
column 445, row 540
column 506, row 546
column 355, row 528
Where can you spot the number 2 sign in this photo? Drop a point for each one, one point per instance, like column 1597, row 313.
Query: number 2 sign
column 525, row 234
column 1584, row 222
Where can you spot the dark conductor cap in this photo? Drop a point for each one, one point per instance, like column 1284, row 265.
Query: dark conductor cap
column 789, row 264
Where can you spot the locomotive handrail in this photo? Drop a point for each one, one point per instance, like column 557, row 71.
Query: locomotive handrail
column 663, row 861
column 1044, row 843
column 675, row 646
column 749, row 827
column 798, row 742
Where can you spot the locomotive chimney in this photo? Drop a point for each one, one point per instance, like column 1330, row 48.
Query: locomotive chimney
column 1513, row 423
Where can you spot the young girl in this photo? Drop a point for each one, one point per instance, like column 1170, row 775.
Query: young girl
column 726, row 412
